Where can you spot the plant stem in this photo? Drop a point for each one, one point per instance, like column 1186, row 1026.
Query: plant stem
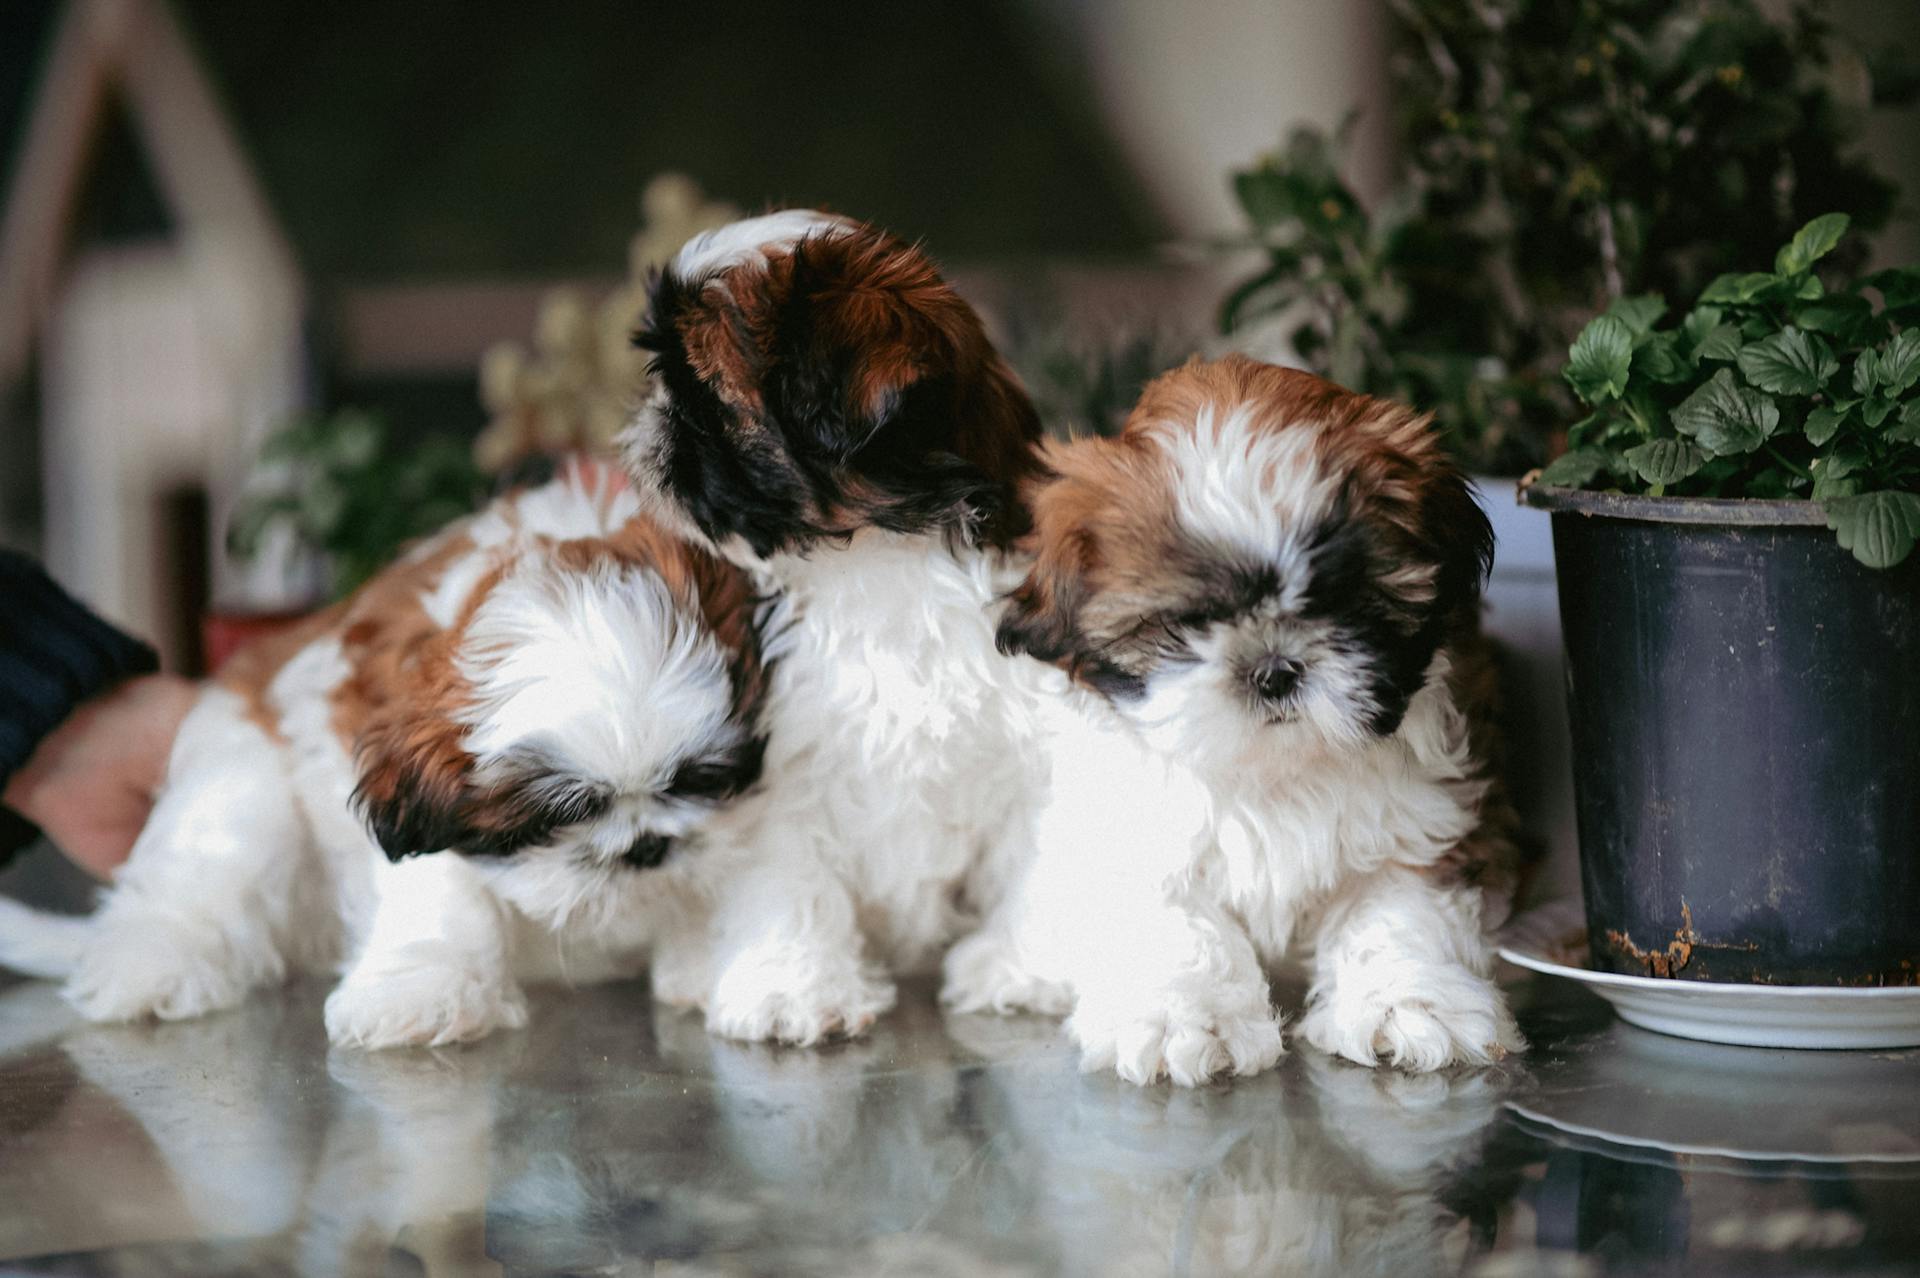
column 1801, row 471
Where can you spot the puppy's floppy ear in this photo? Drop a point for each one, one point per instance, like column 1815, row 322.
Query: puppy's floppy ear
column 1043, row 611
column 418, row 793
column 1453, row 523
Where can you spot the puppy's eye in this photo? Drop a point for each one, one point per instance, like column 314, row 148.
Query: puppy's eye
column 1200, row 618
column 719, row 777
column 569, row 800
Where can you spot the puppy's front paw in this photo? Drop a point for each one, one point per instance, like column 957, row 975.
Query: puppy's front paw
column 1454, row 1018
column 980, row 974
column 765, row 1002
column 424, row 995
column 161, row 965
column 1185, row 1044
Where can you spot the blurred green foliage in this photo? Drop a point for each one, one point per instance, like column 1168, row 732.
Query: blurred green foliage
column 1086, row 384
column 1559, row 155
column 345, row 488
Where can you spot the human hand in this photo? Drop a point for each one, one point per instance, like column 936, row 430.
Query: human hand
column 90, row 784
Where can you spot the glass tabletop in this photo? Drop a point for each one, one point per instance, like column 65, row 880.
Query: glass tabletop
column 613, row 1137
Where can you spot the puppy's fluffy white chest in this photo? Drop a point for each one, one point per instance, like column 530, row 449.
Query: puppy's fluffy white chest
column 901, row 741
column 1268, row 833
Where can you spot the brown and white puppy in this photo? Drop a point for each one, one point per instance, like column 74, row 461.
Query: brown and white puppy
column 1264, row 588
column 482, row 768
column 829, row 413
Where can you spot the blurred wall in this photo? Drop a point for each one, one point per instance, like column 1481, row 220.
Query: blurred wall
column 1893, row 137
column 1193, row 90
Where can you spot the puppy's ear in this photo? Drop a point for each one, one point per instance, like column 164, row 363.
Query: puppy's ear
column 1461, row 537
column 418, row 793
column 1043, row 612
column 866, row 344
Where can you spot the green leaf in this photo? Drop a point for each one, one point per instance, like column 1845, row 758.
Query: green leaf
column 1233, row 309
column 1601, row 356
column 1721, row 343
column 1700, row 321
column 1725, row 417
column 1900, row 364
column 1907, row 429
column 354, row 439
column 1825, row 488
column 1639, row 313
column 1866, row 373
column 1788, row 363
column 1267, row 195
column 1811, row 243
column 1739, row 288
column 1845, row 316
column 1823, row 423
column 1875, row 411
column 1880, row 528
column 1665, row 461
column 1660, row 359
column 1841, row 462
column 1575, row 469
column 1890, row 370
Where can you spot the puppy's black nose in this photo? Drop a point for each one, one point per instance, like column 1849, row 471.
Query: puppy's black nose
column 648, row 851
column 1274, row 678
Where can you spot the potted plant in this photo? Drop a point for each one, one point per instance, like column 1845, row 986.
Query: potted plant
column 1735, row 526
column 338, row 491
column 1553, row 159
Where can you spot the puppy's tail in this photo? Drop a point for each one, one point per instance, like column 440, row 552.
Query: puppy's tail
column 42, row 944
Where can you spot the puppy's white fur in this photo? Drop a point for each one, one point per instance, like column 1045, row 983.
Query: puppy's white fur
column 902, row 775
column 255, row 861
column 902, row 765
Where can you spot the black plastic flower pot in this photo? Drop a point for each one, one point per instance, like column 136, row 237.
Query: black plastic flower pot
column 1745, row 705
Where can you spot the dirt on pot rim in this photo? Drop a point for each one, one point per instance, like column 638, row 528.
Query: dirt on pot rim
column 1747, row 511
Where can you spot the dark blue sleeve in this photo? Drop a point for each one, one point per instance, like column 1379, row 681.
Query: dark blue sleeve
column 54, row 654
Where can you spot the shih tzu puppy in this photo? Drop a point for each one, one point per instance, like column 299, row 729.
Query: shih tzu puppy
column 1265, row 590
column 489, row 765
column 829, row 414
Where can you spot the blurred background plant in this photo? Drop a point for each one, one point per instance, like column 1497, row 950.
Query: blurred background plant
column 1085, row 381
column 340, row 485
column 574, row 387
column 349, row 488
column 1558, row 157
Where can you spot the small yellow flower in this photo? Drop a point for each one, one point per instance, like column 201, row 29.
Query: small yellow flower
column 1330, row 209
column 1583, row 65
column 1731, row 75
column 1608, row 49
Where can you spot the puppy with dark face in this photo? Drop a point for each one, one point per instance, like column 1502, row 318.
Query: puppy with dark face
column 1266, row 588
column 494, row 763
column 829, row 413
column 816, row 378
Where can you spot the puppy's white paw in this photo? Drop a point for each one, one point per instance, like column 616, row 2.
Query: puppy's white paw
column 1186, row 1044
column 140, row 965
column 980, row 974
column 767, row 1002
column 1455, row 1018
column 423, row 995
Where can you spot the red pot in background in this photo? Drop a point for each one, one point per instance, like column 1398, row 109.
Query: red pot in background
column 224, row 633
